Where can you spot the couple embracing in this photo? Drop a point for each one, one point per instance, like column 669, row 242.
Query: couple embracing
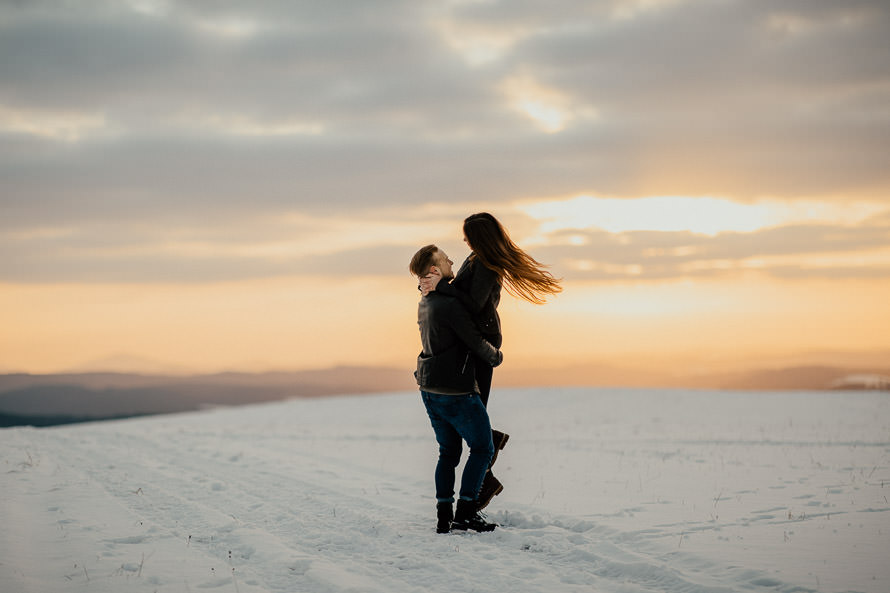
column 460, row 332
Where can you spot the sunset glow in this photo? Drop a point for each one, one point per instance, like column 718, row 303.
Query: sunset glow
column 199, row 187
column 703, row 215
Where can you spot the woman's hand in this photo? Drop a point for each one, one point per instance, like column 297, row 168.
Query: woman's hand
column 428, row 283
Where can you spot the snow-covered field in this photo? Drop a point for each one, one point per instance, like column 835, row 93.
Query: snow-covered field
column 606, row 490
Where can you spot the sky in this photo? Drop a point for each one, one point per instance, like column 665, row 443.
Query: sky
column 204, row 186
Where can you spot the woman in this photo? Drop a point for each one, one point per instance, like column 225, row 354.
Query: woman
column 495, row 261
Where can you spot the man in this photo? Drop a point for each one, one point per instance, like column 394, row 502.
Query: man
column 447, row 380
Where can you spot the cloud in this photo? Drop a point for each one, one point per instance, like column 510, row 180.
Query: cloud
column 115, row 114
column 262, row 246
column 268, row 246
column 792, row 251
column 160, row 266
column 346, row 74
column 744, row 94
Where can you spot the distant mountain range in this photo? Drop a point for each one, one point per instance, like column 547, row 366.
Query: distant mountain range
column 808, row 377
column 44, row 400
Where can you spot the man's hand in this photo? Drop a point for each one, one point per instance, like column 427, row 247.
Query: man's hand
column 428, row 283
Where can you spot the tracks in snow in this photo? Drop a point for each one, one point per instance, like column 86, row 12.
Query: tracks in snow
column 286, row 520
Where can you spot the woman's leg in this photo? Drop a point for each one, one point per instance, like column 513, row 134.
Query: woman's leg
column 484, row 374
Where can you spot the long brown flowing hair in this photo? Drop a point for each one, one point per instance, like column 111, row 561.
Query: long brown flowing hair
column 519, row 273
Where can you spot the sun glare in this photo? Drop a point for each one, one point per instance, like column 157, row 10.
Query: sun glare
column 700, row 215
column 548, row 108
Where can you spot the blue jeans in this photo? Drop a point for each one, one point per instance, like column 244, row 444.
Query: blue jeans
column 456, row 418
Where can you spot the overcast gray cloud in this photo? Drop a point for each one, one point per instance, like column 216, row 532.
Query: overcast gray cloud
column 211, row 113
column 646, row 255
column 44, row 265
column 207, row 254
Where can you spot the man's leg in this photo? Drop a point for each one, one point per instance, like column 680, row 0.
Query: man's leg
column 473, row 425
column 440, row 408
column 467, row 417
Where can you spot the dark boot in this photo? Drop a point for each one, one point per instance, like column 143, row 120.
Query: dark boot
column 444, row 515
column 468, row 517
column 500, row 441
column 491, row 487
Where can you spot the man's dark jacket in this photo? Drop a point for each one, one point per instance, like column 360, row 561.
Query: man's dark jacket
column 479, row 289
column 448, row 336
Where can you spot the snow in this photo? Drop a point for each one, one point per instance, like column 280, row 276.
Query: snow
column 606, row 490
